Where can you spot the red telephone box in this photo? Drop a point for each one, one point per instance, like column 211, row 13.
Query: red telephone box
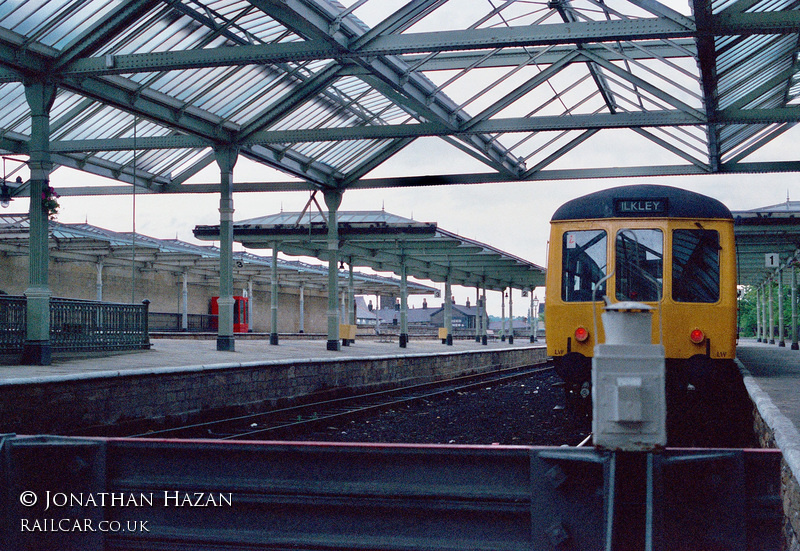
column 240, row 321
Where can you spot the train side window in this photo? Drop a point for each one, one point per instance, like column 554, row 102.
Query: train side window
column 695, row 265
column 583, row 265
column 639, row 264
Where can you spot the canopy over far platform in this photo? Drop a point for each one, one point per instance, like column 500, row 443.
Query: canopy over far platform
column 87, row 243
column 764, row 232
column 386, row 242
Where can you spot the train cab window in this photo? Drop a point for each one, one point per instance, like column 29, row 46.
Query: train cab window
column 695, row 265
column 583, row 265
column 639, row 264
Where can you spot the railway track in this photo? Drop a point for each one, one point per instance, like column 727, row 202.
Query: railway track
column 306, row 417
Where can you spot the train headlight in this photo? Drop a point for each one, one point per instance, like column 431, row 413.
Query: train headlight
column 697, row 336
column 581, row 334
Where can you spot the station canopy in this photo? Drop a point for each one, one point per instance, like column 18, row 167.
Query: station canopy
column 326, row 91
column 387, row 242
column 766, row 238
column 87, row 243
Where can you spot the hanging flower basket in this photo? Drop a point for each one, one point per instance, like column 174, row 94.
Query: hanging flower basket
column 50, row 202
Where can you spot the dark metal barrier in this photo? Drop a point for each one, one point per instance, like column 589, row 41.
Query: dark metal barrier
column 13, row 326
column 78, row 325
column 170, row 321
column 86, row 325
column 97, row 494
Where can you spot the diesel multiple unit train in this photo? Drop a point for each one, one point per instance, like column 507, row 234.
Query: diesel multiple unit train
column 666, row 247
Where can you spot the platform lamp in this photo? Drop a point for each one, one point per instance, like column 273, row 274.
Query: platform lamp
column 5, row 195
column 5, row 191
column 535, row 316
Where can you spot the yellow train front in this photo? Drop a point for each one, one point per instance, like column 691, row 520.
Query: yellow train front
column 669, row 248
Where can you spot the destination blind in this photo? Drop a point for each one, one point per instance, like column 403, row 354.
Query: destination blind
column 640, row 207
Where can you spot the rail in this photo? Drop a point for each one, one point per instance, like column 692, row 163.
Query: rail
column 104, row 494
column 78, row 325
column 301, row 418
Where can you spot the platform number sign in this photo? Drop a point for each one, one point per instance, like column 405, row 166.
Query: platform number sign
column 772, row 260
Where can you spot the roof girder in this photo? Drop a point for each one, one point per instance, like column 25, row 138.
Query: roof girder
column 377, row 56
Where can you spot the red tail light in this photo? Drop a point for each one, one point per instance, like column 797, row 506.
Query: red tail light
column 697, row 336
column 581, row 334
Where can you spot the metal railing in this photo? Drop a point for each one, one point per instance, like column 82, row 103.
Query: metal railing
column 12, row 323
column 78, row 325
column 85, row 325
column 170, row 321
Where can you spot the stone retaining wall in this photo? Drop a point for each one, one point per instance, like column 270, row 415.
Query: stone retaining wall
column 66, row 404
column 774, row 430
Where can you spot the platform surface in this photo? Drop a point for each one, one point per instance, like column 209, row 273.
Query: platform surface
column 178, row 353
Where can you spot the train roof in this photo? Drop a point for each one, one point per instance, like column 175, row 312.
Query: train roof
column 642, row 201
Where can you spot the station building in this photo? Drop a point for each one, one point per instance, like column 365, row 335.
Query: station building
column 176, row 277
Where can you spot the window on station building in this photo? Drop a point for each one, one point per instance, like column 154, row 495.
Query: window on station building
column 583, row 265
column 639, row 264
column 695, row 265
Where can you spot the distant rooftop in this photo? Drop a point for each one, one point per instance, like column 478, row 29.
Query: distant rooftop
column 790, row 207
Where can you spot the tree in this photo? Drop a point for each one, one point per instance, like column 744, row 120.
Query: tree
column 747, row 310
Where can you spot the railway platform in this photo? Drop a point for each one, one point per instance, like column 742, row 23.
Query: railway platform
column 772, row 377
column 171, row 354
column 182, row 380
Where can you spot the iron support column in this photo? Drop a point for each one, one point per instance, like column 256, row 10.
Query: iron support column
column 510, row 315
column 478, row 314
column 485, row 316
column 273, row 334
column 250, row 304
column 343, row 313
column 764, row 315
column 503, row 315
column 185, row 301
column 448, row 309
column 302, row 309
column 226, row 159
column 99, row 284
column 758, row 314
column 37, row 349
column 351, row 296
column 530, row 318
column 403, row 303
column 771, row 316
column 795, row 345
column 333, row 198
column 781, row 332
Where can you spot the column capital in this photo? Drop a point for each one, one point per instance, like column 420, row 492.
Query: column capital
column 226, row 157
column 40, row 97
column 333, row 198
